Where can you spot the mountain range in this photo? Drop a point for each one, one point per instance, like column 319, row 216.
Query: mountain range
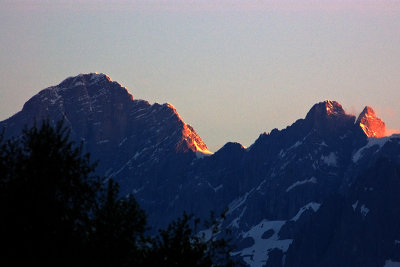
column 322, row 192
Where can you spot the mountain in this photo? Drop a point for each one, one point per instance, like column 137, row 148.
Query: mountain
column 360, row 228
column 322, row 191
column 144, row 147
column 371, row 125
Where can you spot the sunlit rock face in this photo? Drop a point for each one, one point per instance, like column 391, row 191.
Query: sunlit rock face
column 371, row 124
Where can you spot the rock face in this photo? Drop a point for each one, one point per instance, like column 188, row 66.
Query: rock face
column 140, row 145
column 320, row 192
column 328, row 117
column 371, row 124
column 360, row 228
column 102, row 111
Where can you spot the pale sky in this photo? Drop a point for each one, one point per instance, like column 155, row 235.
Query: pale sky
column 233, row 69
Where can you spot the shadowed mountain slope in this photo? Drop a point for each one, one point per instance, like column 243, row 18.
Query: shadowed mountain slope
column 290, row 195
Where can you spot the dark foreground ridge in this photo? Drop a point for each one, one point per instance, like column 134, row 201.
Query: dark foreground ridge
column 321, row 192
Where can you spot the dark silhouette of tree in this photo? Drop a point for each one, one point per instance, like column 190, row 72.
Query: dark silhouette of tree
column 119, row 226
column 47, row 192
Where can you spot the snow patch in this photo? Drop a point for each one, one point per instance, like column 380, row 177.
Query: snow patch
column 137, row 190
column 372, row 141
column 205, row 234
column 364, row 210
column 284, row 165
column 215, row 188
column 238, row 202
column 241, row 200
column 315, row 165
column 330, row 160
column 312, row 180
column 123, row 141
column 298, row 143
column 355, row 205
column 55, row 96
column 78, row 83
column 312, row 205
column 201, row 153
column 257, row 254
column 235, row 222
column 137, row 154
column 390, row 263
column 323, row 144
column 260, row 185
column 96, row 77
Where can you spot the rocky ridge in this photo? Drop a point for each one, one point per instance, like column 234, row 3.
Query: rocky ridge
column 285, row 194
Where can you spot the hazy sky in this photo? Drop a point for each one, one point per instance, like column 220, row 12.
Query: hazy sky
column 233, row 69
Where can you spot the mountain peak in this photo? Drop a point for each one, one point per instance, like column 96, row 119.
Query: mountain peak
column 370, row 123
column 326, row 108
column 97, row 108
column 329, row 117
column 333, row 107
column 85, row 79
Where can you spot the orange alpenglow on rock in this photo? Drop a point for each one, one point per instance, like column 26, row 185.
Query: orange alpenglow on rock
column 371, row 124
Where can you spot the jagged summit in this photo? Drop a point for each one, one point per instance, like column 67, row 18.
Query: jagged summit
column 86, row 77
column 83, row 94
column 325, row 109
column 370, row 123
column 329, row 117
column 97, row 108
column 85, row 80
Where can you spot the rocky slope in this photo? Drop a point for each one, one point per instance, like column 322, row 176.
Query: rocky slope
column 320, row 192
column 145, row 147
